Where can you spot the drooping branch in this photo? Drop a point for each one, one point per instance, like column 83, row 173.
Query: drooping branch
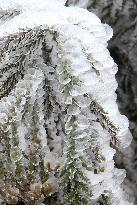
column 58, row 109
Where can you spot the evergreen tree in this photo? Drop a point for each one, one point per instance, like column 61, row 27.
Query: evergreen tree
column 58, row 112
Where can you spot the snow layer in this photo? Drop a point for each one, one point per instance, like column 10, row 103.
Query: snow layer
column 81, row 79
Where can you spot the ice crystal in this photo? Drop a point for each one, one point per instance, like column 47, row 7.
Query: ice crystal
column 58, row 112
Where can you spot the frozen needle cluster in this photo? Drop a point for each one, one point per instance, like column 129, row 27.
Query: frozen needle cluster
column 59, row 122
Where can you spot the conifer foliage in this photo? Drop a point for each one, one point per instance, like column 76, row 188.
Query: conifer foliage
column 58, row 112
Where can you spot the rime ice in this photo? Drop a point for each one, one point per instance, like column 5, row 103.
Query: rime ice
column 58, row 106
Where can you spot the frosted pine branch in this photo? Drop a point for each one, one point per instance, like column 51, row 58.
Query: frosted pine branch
column 58, row 111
